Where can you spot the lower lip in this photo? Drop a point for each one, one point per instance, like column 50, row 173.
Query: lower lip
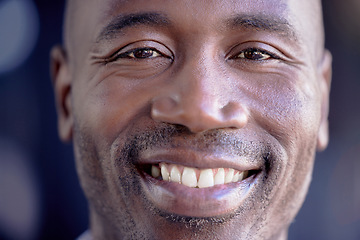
column 198, row 202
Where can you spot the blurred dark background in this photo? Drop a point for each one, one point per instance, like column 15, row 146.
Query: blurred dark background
column 40, row 197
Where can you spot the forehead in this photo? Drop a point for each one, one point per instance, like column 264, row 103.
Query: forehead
column 97, row 13
column 196, row 6
column 209, row 10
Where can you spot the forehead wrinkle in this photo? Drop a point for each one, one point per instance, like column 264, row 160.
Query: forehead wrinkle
column 254, row 22
column 122, row 22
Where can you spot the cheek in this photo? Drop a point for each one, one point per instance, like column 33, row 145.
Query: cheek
column 288, row 108
column 110, row 108
column 102, row 111
column 290, row 112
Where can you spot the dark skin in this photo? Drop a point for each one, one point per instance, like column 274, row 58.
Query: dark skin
column 240, row 85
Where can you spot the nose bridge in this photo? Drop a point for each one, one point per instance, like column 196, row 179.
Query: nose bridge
column 198, row 97
column 198, row 87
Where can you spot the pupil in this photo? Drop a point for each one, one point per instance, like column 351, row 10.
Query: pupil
column 144, row 53
column 255, row 55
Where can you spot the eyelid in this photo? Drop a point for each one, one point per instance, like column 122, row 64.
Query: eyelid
column 265, row 52
column 273, row 52
column 141, row 45
column 132, row 51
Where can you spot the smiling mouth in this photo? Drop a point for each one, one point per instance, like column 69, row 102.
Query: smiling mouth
column 195, row 177
column 201, row 186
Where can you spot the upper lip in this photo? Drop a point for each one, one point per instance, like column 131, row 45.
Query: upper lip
column 198, row 159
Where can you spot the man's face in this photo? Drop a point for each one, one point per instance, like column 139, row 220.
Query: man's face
column 167, row 101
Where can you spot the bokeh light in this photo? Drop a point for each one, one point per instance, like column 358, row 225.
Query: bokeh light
column 19, row 30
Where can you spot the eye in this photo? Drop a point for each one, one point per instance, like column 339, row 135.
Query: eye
column 141, row 53
column 255, row 55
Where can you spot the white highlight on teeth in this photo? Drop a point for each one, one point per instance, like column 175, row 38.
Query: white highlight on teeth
column 194, row 177
column 164, row 172
column 206, row 178
column 229, row 176
column 175, row 175
column 219, row 177
column 189, row 177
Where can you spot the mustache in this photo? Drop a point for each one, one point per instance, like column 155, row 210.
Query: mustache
column 213, row 141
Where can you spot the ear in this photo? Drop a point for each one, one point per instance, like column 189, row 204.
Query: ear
column 61, row 79
column 325, row 75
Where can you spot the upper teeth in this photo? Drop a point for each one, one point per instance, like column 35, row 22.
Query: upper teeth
column 193, row 177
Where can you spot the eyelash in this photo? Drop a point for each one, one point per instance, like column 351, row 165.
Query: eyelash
column 132, row 52
column 255, row 50
column 128, row 54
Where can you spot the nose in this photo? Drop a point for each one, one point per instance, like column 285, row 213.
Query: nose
column 200, row 100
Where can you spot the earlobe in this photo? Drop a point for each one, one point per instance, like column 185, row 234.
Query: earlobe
column 323, row 136
column 61, row 79
column 325, row 72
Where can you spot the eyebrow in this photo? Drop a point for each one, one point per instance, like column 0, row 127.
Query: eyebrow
column 261, row 22
column 122, row 22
